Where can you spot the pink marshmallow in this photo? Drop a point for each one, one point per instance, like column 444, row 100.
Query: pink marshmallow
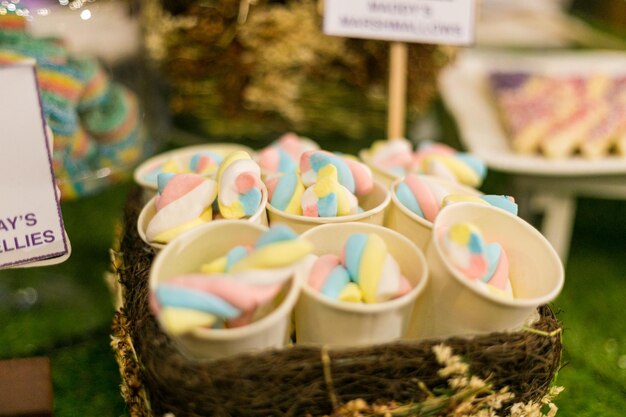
column 178, row 186
column 320, row 270
column 363, row 181
column 500, row 277
column 246, row 181
column 240, row 295
column 269, row 159
column 427, row 201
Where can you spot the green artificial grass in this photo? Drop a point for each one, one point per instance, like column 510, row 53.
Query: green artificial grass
column 591, row 304
column 71, row 298
column 86, row 378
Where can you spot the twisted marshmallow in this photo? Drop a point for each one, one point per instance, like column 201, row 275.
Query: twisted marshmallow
column 183, row 202
column 239, row 186
column 482, row 263
column 373, row 269
column 283, row 156
column 234, row 290
column 328, row 197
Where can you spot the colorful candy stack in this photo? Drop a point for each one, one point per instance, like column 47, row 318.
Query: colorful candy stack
column 96, row 122
column 324, row 185
column 485, row 264
column 365, row 272
column 397, row 157
column 426, row 197
column 234, row 290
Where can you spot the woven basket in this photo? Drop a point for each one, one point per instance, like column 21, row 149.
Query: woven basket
column 299, row 381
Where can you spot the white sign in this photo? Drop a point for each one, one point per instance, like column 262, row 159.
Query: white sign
column 425, row 21
column 31, row 224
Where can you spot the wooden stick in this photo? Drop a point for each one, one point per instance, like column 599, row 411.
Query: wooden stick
column 397, row 90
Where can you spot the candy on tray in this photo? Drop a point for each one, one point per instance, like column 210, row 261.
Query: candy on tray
column 560, row 116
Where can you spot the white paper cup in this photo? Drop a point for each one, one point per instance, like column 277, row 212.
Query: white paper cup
column 186, row 254
column 149, row 211
column 409, row 224
column 321, row 320
column 374, row 207
column 457, row 307
column 383, row 176
column 141, row 173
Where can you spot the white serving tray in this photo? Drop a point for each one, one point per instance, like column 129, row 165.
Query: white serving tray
column 465, row 91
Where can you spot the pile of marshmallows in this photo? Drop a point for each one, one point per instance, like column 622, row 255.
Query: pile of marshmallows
column 230, row 291
column 301, row 179
column 243, row 286
column 188, row 196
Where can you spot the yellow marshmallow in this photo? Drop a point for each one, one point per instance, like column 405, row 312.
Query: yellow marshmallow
column 275, row 255
column 351, row 293
column 183, row 320
column 217, row 265
column 372, row 262
column 168, row 235
column 459, row 198
column 234, row 211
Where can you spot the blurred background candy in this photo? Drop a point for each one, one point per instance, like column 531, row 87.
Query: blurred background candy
column 97, row 123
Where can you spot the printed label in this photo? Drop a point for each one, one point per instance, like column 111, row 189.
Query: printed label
column 31, row 224
column 426, row 21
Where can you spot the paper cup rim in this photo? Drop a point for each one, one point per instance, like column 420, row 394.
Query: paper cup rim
column 414, row 216
column 374, row 307
column 143, row 214
column 156, row 160
column 365, row 156
column 337, row 219
column 515, row 302
column 179, row 243
column 159, row 246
